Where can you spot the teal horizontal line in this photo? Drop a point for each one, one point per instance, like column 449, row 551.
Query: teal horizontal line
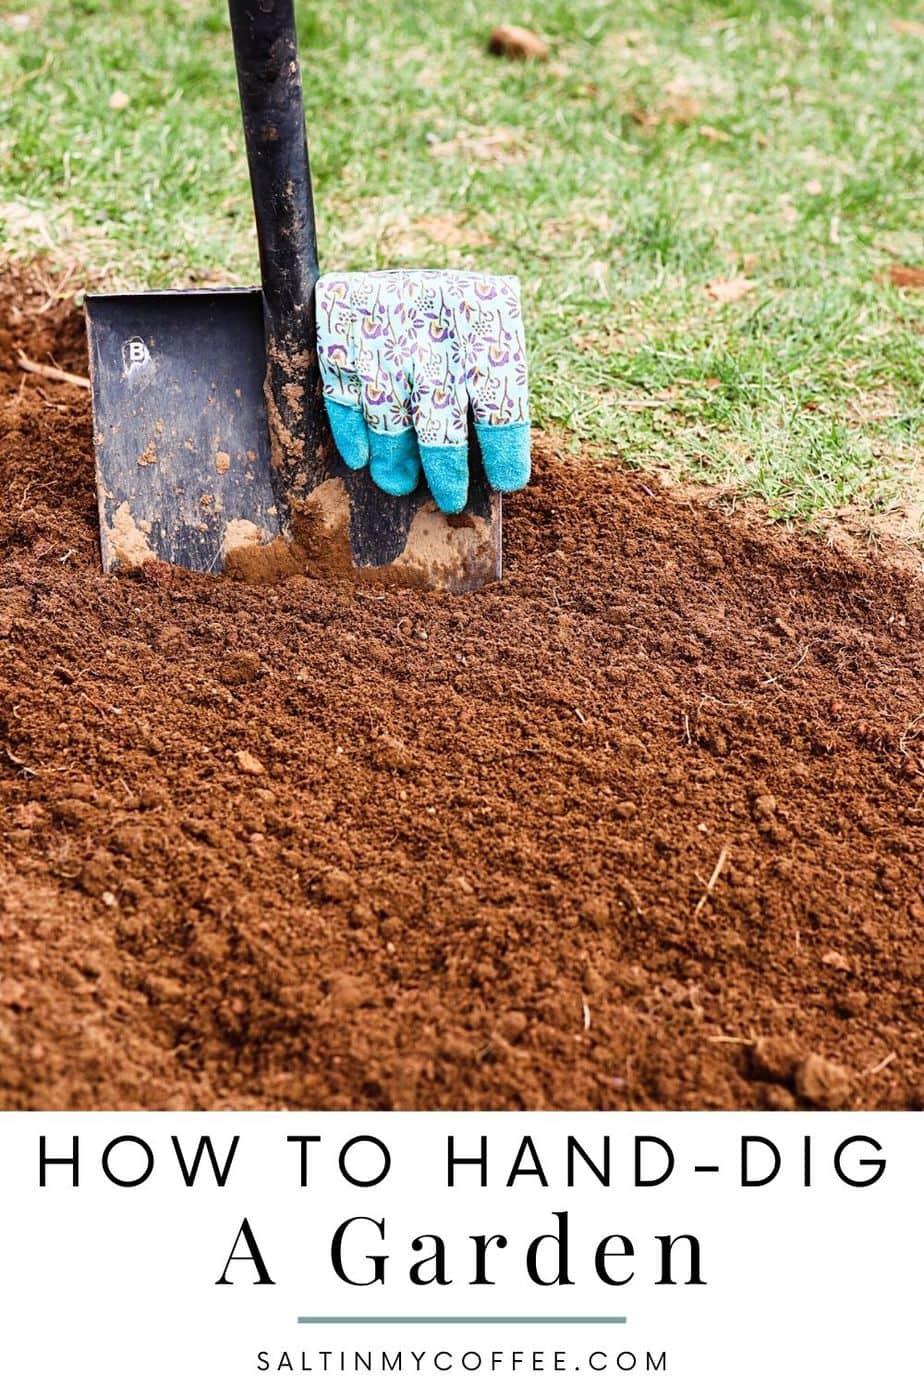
column 458, row 1318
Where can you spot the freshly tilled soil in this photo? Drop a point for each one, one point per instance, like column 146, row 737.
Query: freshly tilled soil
column 642, row 826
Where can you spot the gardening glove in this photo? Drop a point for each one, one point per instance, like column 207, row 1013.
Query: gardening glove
column 403, row 354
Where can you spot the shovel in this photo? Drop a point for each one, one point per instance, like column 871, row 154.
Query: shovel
column 213, row 450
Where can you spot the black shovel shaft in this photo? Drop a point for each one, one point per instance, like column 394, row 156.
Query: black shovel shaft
column 266, row 53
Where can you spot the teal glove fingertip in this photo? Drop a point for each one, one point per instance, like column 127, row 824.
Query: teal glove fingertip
column 351, row 435
column 505, row 454
column 395, row 462
column 446, row 470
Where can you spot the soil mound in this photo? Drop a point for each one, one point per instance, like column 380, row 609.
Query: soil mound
column 640, row 827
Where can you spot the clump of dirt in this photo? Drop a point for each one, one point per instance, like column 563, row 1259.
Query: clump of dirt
column 642, row 826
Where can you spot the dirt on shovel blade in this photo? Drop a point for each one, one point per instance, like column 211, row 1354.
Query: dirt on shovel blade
column 640, row 827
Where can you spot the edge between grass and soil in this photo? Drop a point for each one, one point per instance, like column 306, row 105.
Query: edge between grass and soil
column 712, row 209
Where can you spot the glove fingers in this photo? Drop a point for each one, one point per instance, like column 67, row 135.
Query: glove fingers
column 446, row 470
column 505, row 454
column 401, row 349
column 350, row 433
column 439, row 408
column 395, row 464
column 336, row 359
column 385, row 392
column 496, row 377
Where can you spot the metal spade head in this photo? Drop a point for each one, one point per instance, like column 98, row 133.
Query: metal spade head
column 182, row 445
column 183, row 460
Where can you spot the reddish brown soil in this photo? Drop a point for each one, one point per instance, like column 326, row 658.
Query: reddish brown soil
column 468, row 864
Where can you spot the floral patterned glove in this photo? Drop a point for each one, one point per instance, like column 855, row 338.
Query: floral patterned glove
column 403, row 354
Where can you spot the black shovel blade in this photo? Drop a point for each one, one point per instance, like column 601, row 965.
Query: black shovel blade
column 184, row 469
column 180, row 428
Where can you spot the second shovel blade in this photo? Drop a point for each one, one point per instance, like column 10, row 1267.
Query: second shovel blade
column 182, row 448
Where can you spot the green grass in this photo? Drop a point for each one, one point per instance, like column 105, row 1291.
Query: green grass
column 666, row 145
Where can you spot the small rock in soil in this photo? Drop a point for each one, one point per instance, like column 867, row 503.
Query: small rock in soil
column 596, row 910
column 390, row 753
column 12, row 993
column 779, row 1099
column 249, row 763
column 512, row 1025
column 455, row 1046
column 773, row 1060
column 169, row 640
column 347, row 993
column 336, row 885
column 852, row 1003
column 593, row 982
column 822, row 1083
column 239, row 667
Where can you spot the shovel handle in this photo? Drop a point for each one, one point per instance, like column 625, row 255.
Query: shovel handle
column 270, row 84
column 269, row 81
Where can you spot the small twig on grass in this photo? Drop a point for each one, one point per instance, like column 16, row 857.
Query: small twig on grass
column 731, row 1039
column 883, row 1063
column 55, row 295
column 710, row 884
column 51, row 372
column 31, row 76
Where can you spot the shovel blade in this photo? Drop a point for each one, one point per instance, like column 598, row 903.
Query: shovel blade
column 184, row 461
column 344, row 525
column 180, row 432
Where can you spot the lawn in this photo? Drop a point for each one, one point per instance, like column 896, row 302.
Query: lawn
column 707, row 204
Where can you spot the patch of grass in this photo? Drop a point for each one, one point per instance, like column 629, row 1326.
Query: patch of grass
column 665, row 146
